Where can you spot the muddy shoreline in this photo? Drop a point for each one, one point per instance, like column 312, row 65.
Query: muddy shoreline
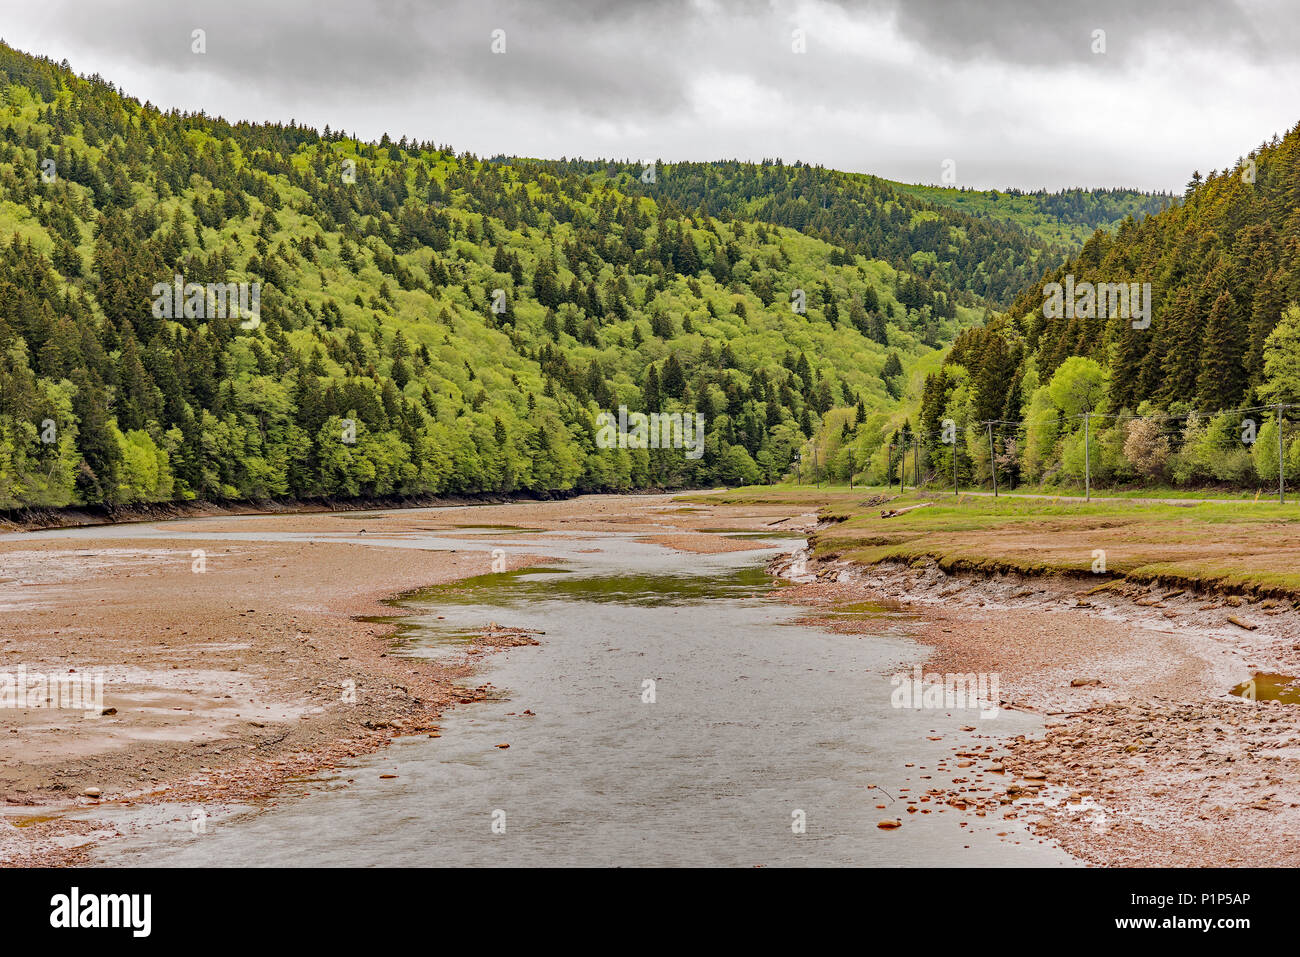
column 229, row 685
column 1147, row 757
column 82, row 516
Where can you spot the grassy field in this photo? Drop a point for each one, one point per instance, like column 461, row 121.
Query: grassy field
column 1251, row 547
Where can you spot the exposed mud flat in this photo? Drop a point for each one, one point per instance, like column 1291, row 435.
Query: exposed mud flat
column 1148, row 758
column 273, row 662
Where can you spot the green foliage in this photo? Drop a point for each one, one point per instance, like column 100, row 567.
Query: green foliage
column 952, row 257
column 1281, row 354
column 1222, row 265
column 1064, row 218
column 1222, row 334
column 1078, row 386
column 429, row 322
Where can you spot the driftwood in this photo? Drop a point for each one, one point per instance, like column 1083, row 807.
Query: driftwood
column 891, row 512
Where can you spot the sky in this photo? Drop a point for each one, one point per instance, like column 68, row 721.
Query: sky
column 975, row 93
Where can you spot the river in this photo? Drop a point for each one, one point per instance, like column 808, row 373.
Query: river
column 754, row 725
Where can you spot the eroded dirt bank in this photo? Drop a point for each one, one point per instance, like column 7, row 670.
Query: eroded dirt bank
column 229, row 682
column 1147, row 758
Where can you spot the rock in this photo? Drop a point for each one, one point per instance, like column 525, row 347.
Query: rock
column 382, row 776
column 889, row 825
column 1034, row 776
column 92, row 793
column 503, row 745
column 1084, row 682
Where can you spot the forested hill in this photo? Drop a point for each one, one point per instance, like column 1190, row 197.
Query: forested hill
column 1222, row 333
column 975, row 246
column 1223, row 265
column 426, row 322
column 1065, row 218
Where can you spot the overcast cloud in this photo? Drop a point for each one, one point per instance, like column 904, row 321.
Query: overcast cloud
column 1009, row 90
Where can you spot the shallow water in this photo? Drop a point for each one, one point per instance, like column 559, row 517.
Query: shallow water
column 1268, row 686
column 754, row 718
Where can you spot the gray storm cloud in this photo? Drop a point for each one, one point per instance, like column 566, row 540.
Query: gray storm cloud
column 1014, row 91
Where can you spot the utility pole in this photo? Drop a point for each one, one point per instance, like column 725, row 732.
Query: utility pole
column 993, row 460
column 1087, row 465
column 916, row 460
column 1281, row 480
column 902, row 466
column 954, row 466
column 890, row 466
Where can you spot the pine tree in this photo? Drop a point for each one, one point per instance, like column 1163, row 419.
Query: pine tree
column 1222, row 378
column 651, row 400
column 673, row 380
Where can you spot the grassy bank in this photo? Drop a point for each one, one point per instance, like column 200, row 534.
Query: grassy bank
column 1248, row 547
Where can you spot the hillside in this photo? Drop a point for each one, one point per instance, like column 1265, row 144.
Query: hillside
column 1213, row 338
column 968, row 259
column 1064, row 218
column 974, row 246
column 383, row 359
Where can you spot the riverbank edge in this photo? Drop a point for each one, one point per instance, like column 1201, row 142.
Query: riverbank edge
column 32, row 519
column 267, row 775
column 1031, row 762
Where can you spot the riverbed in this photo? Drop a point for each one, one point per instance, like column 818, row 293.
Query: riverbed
column 672, row 713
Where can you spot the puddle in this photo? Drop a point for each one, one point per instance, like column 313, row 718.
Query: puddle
column 1266, row 686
